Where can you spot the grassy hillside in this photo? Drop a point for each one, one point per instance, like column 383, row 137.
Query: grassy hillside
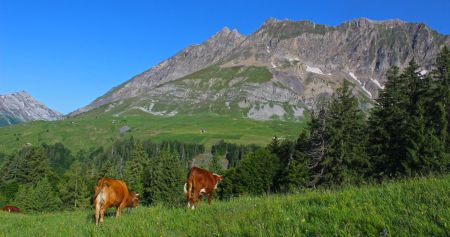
column 92, row 131
column 418, row 207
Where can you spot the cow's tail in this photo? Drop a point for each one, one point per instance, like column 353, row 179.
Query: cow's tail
column 185, row 188
column 99, row 191
column 99, row 198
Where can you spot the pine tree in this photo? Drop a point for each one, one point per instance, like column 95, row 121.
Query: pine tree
column 43, row 197
column 37, row 166
column 163, row 180
column 258, row 171
column 23, row 197
column 318, row 145
column 297, row 171
column 387, row 124
column 134, row 168
column 441, row 98
column 345, row 159
column 73, row 188
column 215, row 165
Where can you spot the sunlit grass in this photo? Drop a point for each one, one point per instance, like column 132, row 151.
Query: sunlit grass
column 419, row 207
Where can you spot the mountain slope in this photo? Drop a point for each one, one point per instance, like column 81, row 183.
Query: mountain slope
column 276, row 72
column 21, row 107
column 188, row 60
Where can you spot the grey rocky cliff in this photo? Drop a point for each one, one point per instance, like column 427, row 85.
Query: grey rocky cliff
column 188, row 60
column 21, row 107
column 307, row 62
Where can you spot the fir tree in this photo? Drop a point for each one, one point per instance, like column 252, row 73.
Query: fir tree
column 163, row 180
column 297, row 173
column 43, row 197
column 215, row 165
column 345, row 159
column 134, row 168
column 73, row 188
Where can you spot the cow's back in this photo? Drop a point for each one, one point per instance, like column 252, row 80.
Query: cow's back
column 112, row 191
column 10, row 209
column 201, row 177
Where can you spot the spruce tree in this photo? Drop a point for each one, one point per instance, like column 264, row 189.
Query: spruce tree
column 215, row 165
column 297, row 173
column 345, row 159
column 134, row 168
column 441, row 98
column 73, row 188
column 43, row 197
column 163, row 180
column 258, row 171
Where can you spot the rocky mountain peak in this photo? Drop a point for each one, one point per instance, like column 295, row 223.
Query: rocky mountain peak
column 22, row 107
column 283, row 62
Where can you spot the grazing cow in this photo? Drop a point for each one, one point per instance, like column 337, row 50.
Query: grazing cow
column 201, row 182
column 11, row 209
column 112, row 192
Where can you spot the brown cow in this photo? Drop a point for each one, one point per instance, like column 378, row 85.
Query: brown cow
column 112, row 192
column 202, row 182
column 11, row 209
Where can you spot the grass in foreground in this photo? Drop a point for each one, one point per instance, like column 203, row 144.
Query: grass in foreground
column 419, row 207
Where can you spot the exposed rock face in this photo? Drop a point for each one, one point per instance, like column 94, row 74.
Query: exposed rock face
column 188, row 60
column 305, row 62
column 21, row 107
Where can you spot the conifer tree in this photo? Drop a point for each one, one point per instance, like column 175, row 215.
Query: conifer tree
column 345, row 159
column 43, row 197
column 134, row 168
column 215, row 165
column 163, row 180
column 441, row 98
column 298, row 172
column 73, row 188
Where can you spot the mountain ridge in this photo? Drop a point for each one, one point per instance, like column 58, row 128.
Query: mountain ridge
column 18, row 107
column 305, row 59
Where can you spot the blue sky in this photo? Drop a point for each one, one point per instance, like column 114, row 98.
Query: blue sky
column 67, row 53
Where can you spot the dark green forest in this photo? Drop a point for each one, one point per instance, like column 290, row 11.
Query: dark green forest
column 405, row 134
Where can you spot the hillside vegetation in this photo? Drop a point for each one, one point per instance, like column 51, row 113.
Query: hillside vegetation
column 417, row 207
column 89, row 131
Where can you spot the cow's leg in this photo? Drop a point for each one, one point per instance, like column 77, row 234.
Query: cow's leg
column 119, row 208
column 102, row 213
column 200, row 199
column 97, row 212
column 194, row 198
column 209, row 198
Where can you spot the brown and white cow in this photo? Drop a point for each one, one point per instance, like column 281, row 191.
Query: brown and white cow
column 10, row 209
column 202, row 182
column 112, row 192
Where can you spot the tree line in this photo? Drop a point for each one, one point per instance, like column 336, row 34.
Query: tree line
column 405, row 134
column 51, row 177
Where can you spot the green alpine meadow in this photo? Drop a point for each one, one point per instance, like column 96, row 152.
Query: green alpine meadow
column 418, row 207
column 156, row 119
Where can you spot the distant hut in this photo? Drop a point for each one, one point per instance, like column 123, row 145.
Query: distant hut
column 124, row 129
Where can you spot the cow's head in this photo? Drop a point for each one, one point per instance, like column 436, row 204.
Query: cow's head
column 134, row 199
column 217, row 178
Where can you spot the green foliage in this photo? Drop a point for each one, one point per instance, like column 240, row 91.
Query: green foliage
column 215, row 165
column 406, row 127
column 345, row 161
column 38, row 198
column 417, row 207
column 134, row 168
column 163, row 180
column 255, row 174
column 297, row 172
column 73, row 188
